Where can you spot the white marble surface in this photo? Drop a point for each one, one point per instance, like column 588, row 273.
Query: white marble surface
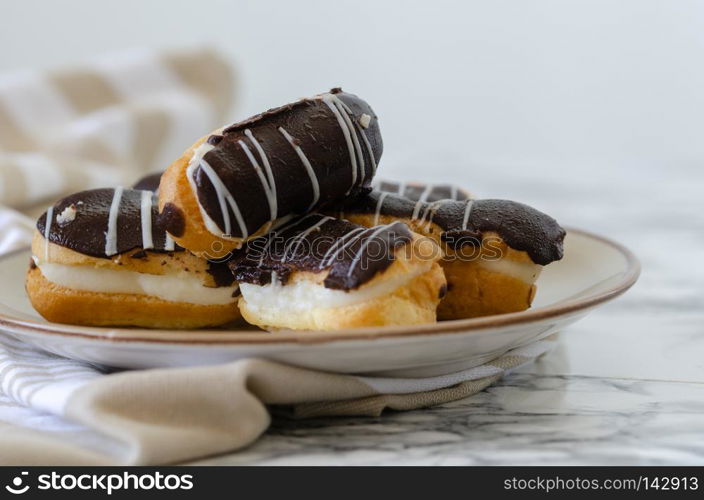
column 626, row 385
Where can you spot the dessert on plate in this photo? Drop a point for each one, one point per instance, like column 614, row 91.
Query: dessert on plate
column 278, row 220
column 243, row 180
column 494, row 250
column 323, row 273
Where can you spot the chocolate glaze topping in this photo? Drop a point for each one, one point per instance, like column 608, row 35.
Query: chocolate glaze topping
column 286, row 161
column 149, row 182
column 172, row 217
column 88, row 232
column 222, row 276
column 316, row 243
column 464, row 222
column 419, row 191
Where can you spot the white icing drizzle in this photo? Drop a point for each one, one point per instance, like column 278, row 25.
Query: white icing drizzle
column 169, row 244
column 399, row 188
column 146, row 219
column 360, row 252
column 198, row 154
column 306, row 164
column 111, row 234
column 221, row 199
column 432, row 210
column 267, row 167
column 298, row 239
column 345, row 112
column 361, row 132
column 281, row 221
column 379, row 205
column 467, row 210
column 279, row 230
column 224, row 196
column 426, row 192
column 339, row 246
column 329, row 99
column 421, row 200
column 270, row 194
column 426, row 210
column 349, row 126
column 47, row 230
column 369, row 150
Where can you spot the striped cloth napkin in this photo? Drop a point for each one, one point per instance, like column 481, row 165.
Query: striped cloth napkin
column 105, row 124
column 55, row 411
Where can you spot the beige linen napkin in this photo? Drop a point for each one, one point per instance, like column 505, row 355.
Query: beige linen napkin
column 106, row 122
column 101, row 125
column 55, row 411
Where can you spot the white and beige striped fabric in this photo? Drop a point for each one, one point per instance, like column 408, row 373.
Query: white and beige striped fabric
column 55, row 411
column 106, row 122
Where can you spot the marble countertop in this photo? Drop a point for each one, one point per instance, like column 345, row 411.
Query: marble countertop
column 624, row 387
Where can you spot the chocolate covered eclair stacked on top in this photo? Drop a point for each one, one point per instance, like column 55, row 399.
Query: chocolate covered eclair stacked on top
column 277, row 220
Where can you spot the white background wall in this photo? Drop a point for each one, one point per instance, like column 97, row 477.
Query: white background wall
column 490, row 93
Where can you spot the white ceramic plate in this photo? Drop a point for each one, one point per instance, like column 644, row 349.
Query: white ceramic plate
column 593, row 271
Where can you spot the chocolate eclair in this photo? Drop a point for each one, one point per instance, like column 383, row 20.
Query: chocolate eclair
column 103, row 257
column 322, row 273
column 245, row 179
column 494, row 249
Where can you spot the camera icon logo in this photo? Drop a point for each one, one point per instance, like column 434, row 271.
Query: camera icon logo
column 16, row 488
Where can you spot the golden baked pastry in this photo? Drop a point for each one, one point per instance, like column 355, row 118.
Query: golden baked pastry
column 494, row 250
column 102, row 257
column 321, row 273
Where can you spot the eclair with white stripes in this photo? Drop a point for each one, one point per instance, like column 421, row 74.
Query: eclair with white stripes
column 243, row 180
column 494, row 249
column 102, row 257
column 322, row 273
column 421, row 191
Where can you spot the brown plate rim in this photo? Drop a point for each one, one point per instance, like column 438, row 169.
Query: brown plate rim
column 248, row 337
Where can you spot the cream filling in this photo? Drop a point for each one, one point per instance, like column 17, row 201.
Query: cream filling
column 523, row 271
column 306, row 295
column 173, row 288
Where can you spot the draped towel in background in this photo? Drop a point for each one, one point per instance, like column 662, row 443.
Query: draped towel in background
column 105, row 123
